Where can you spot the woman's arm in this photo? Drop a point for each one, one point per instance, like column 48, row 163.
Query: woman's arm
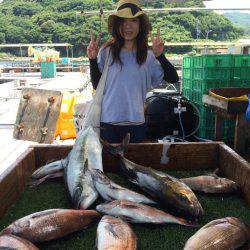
column 95, row 73
column 170, row 73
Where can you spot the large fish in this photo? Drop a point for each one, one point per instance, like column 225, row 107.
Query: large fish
column 222, row 234
column 86, row 154
column 115, row 234
column 139, row 213
column 51, row 224
column 12, row 242
column 111, row 191
column 211, row 184
column 169, row 191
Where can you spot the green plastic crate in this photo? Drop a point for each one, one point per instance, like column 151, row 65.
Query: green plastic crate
column 240, row 83
column 187, row 73
column 241, row 73
column 188, row 62
column 212, row 73
column 241, row 61
column 187, row 83
column 203, row 86
column 188, row 93
column 213, row 61
column 48, row 69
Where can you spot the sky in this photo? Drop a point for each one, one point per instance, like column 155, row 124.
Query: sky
column 228, row 4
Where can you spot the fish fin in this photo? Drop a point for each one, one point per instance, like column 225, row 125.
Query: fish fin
column 126, row 218
column 76, row 197
column 110, row 228
column 35, row 183
column 118, row 150
column 43, row 213
column 129, row 206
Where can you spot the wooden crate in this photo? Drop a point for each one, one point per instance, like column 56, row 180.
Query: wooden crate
column 179, row 156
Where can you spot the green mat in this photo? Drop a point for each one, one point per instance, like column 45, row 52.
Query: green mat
column 53, row 195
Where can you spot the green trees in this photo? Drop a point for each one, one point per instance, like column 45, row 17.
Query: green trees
column 38, row 21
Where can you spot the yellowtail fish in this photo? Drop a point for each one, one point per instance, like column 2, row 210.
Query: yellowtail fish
column 139, row 213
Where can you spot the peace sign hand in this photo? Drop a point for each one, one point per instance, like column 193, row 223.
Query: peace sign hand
column 157, row 43
column 93, row 49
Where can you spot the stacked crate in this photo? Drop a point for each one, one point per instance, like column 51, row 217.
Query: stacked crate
column 200, row 73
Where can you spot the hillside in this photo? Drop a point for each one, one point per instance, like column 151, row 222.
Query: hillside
column 39, row 21
column 240, row 19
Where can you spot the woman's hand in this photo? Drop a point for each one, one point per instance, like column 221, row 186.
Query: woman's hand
column 157, row 43
column 93, row 49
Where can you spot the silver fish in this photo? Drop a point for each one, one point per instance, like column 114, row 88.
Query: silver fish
column 221, row 234
column 115, row 234
column 51, row 224
column 111, row 191
column 139, row 213
column 169, row 191
column 12, row 242
column 86, row 154
column 211, row 184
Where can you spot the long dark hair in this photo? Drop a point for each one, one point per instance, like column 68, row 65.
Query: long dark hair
column 117, row 42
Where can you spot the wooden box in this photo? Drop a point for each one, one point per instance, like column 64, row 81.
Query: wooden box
column 179, row 156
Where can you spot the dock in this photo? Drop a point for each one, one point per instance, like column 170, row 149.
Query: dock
column 10, row 91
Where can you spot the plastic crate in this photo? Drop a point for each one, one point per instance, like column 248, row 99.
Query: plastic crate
column 48, row 69
column 241, row 73
column 213, row 61
column 240, row 83
column 187, row 73
column 188, row 62
column 187, row 83
column 241, row 61
column 203, row 86
column 212, row 73
column 188, row 93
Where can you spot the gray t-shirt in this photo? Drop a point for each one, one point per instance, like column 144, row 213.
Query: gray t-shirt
column 126, row 87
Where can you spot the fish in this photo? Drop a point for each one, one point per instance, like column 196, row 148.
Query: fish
column 111, row 191
column 12, row 242
column 51, row 224
column 139, row 213
column 115, row 234
column 221, row 234
column 85, row 155
column 211, row 184
column 172, row 193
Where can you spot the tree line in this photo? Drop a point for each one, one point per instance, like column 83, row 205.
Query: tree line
column 55, row 21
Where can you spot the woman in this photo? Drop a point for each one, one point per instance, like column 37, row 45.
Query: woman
column 133, row 70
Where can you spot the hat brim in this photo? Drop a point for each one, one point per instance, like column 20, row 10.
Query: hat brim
column 125, row 13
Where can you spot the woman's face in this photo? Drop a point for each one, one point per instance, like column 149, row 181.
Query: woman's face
column 129, row 29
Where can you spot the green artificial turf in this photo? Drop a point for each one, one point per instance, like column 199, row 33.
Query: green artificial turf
column 52, row 194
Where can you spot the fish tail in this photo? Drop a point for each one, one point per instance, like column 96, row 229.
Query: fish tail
column 118, row 150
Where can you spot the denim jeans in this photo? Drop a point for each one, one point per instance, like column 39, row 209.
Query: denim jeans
column 116, row 133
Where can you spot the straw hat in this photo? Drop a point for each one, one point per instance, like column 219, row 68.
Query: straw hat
column 125, row 9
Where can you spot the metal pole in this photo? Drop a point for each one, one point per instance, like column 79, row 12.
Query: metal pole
column 92, row 13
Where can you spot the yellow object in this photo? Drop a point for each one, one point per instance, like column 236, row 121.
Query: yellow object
column 65, row 124
column 238, row 98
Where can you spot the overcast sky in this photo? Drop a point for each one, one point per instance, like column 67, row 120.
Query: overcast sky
column 228, row 4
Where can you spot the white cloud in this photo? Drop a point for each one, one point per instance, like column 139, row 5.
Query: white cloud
column 228, row 3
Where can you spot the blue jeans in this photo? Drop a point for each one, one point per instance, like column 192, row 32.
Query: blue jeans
column 116, row 133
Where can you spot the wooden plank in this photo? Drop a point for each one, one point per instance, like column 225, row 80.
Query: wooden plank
column 242, row 133
column 37, row 115
column 13, row 180
column 218, row 128
column 235, row 168
column 187, row 156
column 191, row 155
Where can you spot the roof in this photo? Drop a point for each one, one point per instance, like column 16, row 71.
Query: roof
column 18, row 45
